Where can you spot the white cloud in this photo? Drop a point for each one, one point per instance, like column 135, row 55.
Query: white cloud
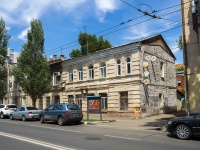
column 105, row 6
column 23, row 34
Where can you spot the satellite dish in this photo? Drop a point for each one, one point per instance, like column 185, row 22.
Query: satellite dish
column 146, row 81
column 146, row 73
column 148, row 57
column 153, row 58
column 145, row 64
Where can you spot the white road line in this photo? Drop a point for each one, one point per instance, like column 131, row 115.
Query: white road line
column 122, row 137
column 33, row 141
column 55, row 128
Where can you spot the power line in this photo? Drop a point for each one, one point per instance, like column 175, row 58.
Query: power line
column 112, row 31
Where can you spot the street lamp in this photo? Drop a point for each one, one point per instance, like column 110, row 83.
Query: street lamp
column 8, row 74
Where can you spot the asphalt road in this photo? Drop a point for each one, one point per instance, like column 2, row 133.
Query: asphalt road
column 18, row 135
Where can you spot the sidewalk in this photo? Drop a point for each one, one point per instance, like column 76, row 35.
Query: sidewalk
column 157, row 122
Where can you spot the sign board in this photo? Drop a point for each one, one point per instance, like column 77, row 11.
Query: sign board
column 94, row 104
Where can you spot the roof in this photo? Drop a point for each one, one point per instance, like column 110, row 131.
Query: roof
column 179, row 66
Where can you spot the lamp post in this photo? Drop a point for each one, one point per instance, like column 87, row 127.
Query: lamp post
column 8, row 74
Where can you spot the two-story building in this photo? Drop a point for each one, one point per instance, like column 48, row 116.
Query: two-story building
column 133, row 80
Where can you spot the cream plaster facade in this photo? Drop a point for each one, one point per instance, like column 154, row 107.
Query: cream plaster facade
column 191, row 54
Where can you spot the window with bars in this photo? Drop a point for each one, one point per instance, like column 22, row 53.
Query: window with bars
column 128, row 65
column 118, row 67
column 91, row 72
column 70, row 75
column 124, row 101
column 80, row 74
column 103, row 69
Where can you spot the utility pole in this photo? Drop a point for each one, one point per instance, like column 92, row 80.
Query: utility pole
column 86, row 38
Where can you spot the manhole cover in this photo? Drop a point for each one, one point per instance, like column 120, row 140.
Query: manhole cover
column 92, row 138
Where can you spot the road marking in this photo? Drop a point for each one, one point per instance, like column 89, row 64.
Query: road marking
column 55, row 128
column 122, row 137
column 9, row 122
column 33, row 141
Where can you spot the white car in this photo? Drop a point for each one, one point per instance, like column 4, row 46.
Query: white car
column 25, row 113
column 6, row 109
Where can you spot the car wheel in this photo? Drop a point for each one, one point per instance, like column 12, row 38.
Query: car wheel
column 23, row 118
column 77, row 122
column 11, row 117
column 41, row 119
column 183, row 132
column 2, row 116
column 60, row 121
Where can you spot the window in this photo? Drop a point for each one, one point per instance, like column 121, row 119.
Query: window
column 91, row 72
column 118, row 67
column 79, row 101
column 162, row 70
column 128, row 65
column 47, row 101
column 70, row 75
column 124, row 101
column 70, row 99
column 161, row 101
column 80, row 74
column 56, row 78
column 104, row 102
column 22, row 109
column 15, row 86
column 103, row 69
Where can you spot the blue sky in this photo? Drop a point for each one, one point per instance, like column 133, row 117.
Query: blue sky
column 115, row 20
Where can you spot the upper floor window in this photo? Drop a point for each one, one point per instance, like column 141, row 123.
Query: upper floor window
column 91, row 72
column 128, row 65
column 103, row 69
column 162, row 70
column 56, row 78
column 80, row 74
column 70, row 75
column 118, row 67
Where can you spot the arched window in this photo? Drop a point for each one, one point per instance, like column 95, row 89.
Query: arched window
column 91, row 72
column 128, row 65
column 70, row 75
column 103, row 69
column 80, row 74
column 118, row 67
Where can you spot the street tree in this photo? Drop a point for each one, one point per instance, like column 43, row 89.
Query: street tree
column 89, row 43
column 4, row 38
column 32, row 71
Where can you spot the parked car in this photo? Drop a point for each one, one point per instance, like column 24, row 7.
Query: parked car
column 185, row 127
column 25, row 113
column 62, row 113
column 5, row 110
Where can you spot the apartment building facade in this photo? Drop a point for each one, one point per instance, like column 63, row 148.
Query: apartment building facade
column 190, row 11
column 133, row 80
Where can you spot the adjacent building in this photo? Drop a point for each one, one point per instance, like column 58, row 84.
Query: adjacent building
column 190, row 11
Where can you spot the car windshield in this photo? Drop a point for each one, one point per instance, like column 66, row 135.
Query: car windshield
column 12, row 106
column 2, row 106
column 72, row 107
column 31, row 108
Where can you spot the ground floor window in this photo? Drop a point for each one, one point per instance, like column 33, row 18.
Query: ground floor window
column 56, row 99
column 79, row 101
column 104, row 102
column 123, row 100
column 161, row 100
column 41, row 104
column 70, row 99
column 47, row 102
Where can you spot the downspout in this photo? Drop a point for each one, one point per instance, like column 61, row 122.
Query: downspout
column 185, row 60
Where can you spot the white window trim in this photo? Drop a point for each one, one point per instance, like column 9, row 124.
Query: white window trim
column 55, row 75
column 70, row 75
column 103, row 70
column 91, row 72
column 80, row 74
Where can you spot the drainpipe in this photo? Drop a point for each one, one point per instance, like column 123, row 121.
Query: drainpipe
column 185, row 60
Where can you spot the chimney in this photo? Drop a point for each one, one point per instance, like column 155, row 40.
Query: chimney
column 54, row 57
column 62, row 57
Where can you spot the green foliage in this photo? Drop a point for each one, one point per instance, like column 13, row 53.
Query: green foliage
column 179, row 41
column 180, row 69
column 75, row 53
column 90, row 43
column 4, row 38
column 33, row 71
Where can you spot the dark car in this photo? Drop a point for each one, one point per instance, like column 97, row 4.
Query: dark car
column 185, row 127
column 62, row 113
